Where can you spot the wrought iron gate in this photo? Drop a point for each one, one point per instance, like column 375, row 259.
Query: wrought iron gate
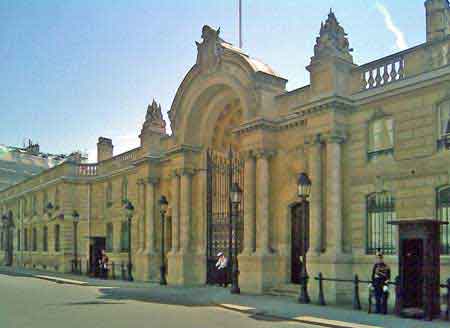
column 222, row 171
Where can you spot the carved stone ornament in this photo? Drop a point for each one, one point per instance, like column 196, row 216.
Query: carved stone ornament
column 209, row 51
column 154, row 119
column 332, row 40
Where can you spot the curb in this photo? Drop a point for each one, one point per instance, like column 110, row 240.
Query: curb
column 307, row 320
column 61, row 280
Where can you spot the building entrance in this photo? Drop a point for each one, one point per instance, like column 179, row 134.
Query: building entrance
column 222, row 172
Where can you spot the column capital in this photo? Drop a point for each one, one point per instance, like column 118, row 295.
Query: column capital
column 187, row 171
column 247, row 154
column 264, row 153
column 153, row 180
column 314, row 140
column 335, row 138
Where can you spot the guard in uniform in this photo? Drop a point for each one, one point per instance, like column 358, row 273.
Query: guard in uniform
column 381, row 273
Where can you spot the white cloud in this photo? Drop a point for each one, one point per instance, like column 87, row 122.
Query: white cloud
column 121, row 144
column 400, row 41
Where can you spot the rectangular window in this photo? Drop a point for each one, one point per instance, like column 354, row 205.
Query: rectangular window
column 44, row 201
column 443, row 213
column 124, row 237
column 381, row 138
column 108, row 194
column 34, row 239
column 45, row 239
column 1, row 240
column 444, row 125
column 57, row 238
column 25, row 239
column 380, row 234
column 109, row 237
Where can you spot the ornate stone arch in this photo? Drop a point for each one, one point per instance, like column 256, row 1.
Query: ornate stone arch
column 221, row 69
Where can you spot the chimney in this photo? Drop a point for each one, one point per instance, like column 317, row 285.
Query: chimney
column 438, row 19
column 104, row 149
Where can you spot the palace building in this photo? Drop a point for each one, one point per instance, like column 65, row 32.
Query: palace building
column 374, row 140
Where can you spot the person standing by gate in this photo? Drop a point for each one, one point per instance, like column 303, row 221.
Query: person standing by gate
column 381, row 273
column 222, row 268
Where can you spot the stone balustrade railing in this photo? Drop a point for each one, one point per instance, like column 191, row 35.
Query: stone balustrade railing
column 86, row 170
column 382, row 72
column 411, row 62
column 127, row 156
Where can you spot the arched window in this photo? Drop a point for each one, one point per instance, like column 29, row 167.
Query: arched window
column 34, row 239
column 25, row 239
column 380, row 234
column 443, row 214
column 57, row 238
column 444, row 125
column 45, row 239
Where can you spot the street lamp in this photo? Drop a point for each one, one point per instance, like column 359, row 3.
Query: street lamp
column 76, row 217
column 163, row 205
column 235, row 198
column 129, row 211
column 303, row 192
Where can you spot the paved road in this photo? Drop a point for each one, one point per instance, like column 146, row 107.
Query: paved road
column 32, row 303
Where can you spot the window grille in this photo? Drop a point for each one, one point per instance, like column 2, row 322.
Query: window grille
column 380, row 234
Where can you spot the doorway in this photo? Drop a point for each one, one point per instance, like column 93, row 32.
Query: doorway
column 95, row 248
column 413, row 273
column 299, row 239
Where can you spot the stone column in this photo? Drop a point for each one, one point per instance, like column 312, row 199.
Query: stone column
column 141, row 226
column 150, row 215
column 334, row 195
column 249, row 204
column 174, row 204
column 315, row 208
column 185, row 209
column 262, row 206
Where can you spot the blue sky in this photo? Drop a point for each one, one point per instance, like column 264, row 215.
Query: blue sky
column 74, row 70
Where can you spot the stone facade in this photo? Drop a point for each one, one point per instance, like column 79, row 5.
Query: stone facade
column 230, row 99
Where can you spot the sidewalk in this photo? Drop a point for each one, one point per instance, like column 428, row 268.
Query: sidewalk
column 277, row 307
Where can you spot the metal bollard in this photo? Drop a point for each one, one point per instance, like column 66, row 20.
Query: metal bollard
column 321, row 295
column 356, row 301
column 87, row 268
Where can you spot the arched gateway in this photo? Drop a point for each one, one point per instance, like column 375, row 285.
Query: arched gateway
column 216, row 97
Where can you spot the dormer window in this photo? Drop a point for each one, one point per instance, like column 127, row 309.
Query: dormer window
column 444, row 125
column 381, row 137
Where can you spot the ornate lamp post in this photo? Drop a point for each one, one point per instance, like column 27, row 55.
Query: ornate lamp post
column 163, row 205
column 235, row 198
column 76, row 217
column 129, row 211
column 303, row 192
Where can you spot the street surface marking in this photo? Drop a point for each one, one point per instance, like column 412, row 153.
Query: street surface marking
column 333, row 322
column 237, row 307
column 68, row 281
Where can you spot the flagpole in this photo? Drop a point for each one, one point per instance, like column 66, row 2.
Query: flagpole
column 240, row 22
